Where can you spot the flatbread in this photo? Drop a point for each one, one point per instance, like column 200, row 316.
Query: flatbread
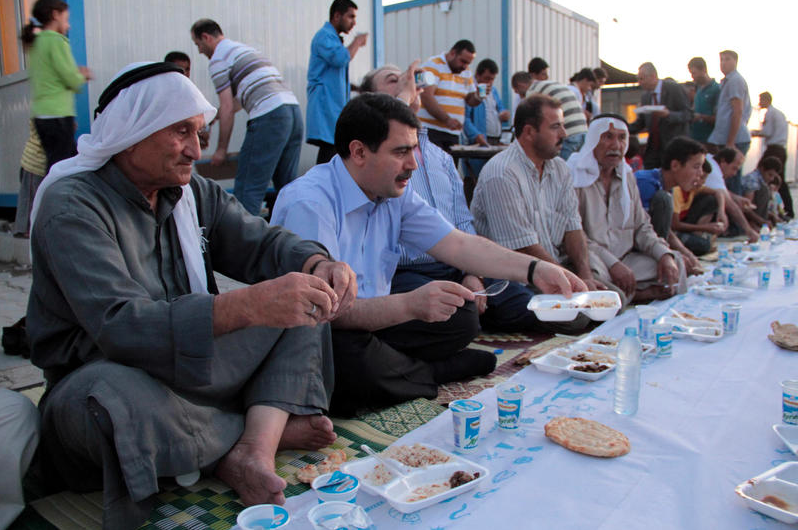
column 328, row 465
column 784, row 335
column 587, row 436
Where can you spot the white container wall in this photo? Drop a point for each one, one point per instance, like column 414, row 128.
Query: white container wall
column 511, row 32
column 118, row 33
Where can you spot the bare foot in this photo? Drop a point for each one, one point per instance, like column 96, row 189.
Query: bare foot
column 250, row 471
column 307, row 432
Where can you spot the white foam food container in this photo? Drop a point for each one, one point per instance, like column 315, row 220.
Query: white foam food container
column 698, row 330
column 598, row 343
column 558, row 361
column 397, row 491
column 756, row 258
column 722, row 292
column 774, row 492
column 788, row 435
column 557, row 308
column 586, row 346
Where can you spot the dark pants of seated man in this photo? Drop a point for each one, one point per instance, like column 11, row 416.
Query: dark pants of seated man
column 660, row 209
column 704, row 206
column 113, row 427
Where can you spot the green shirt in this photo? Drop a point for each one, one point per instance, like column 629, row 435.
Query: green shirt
column 54, row 76
column 705, row 102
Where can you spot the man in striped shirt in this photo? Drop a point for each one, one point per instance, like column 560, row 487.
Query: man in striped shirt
column 575, row 122
column 244, row 78
column 443, row 104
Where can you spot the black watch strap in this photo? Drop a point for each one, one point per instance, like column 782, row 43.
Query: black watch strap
column 531, row 272
column 313, row 267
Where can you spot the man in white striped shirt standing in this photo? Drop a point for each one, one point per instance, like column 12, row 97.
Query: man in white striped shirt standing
column 443, row 104
column 525, row 199
column 244, row 78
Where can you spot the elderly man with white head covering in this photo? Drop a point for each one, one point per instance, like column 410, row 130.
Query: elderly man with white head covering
column 626, row 253
column 150, row 371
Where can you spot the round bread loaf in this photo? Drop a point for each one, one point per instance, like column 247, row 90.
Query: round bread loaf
column 587, row 436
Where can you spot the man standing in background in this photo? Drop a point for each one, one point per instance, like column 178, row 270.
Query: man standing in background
column 443, row 104
column 705, row 103
column 774, row 131
column 244, row 78
column 328, row 76
column 734, row 107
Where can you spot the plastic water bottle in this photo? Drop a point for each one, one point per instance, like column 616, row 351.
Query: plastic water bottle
column 627, row 374
column 764, row 237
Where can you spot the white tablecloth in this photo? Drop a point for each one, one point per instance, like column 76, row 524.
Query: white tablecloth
column 704, row 425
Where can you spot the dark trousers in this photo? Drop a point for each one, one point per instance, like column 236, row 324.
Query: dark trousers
column 58, row 138
column 326, row 151
column 442, row 139
column 704, row 204
column 661, row 211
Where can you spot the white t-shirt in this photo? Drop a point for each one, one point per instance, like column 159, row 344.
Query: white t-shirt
column 715, row 179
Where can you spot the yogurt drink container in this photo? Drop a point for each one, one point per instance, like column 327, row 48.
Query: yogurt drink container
column 789, row 402
column 731, row 317
column 336, row 486
column 789, row 275
column 262, row 516
column 663, row 339
column 509, row 399
column 466, row 417
column 764, row 278
column 646, row 315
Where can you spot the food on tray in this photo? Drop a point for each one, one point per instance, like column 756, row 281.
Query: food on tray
column 459, row 478
column 379, row 476
column 563, row 305
column 416, row 455
column 592, row 358
column 784, row 335
column 587, row 436
column 776, row 501
column 328, row 465
column 688, row 316
column 603, row 340
column 591, row 368
column 598, row 303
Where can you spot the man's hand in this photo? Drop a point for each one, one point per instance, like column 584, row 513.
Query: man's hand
column 453, row 124
column 715, row 227
column 86, row 73
column 723, row 219
column 664, row 113
column 437, row 301
column 292, row 300
column 691, row 264
column 481, row 140
column 472, row 283
column 504, row 115
column 360, row 39
column 219, row 157
column 343, row 280
column 594, row 285
column 408, row 91
column 553, row 279
column 668, row 273
column 751, row 234
column 623, row 277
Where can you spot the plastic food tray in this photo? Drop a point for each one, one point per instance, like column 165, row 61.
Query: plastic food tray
column 789, row 435
column 756, row 258
column 779, row 485
column 557, row 308
column 699, row 330
column 595, row 342
column 396, row 491
column 558, row 361
column 722, row 292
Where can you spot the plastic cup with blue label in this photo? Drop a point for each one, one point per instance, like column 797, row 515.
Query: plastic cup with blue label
column 466, row 417
column 263, row 516
column 723, row 251
column 764, row 278
column 789, row 402
column 663, row 339
column 509, row 399
column 646, row 315
column 336, row 486
column 789, row 275
column 755, row 247
column 731, row 317
column 737, row 250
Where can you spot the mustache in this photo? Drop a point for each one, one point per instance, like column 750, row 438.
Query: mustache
column 614, row 153
column 404, row 176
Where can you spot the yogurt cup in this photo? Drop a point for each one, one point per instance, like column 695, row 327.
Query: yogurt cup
column 731, row 317
column 343, row 489
column 263, row 516
column 764, row 278
column 335, row 509
column 789, row 402
column 466, row 416
column 509, row 399
column 723, row 251
column 789, row 275
column 663, row 338
column 646, row 315
column 482, row 90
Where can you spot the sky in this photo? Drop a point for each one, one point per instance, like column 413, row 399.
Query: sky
column 634, row 31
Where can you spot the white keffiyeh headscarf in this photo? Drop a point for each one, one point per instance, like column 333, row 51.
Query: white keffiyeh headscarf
column 584, row 166
column 138, row 111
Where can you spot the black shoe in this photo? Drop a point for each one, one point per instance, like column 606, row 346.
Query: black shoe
column 462, row 365
column 15, row 340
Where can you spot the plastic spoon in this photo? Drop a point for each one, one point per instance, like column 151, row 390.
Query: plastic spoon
column 493, row 289
column 387, row 463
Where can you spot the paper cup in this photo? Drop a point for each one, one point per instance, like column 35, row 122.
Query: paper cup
column 263, row 516
column 327, row 511
column 345, row 491
column 645, row 319
column 789, row 275
column 731, row 317
column 764, row 278
column 789, row 402
column 509, row 399
column 482, row 90
column 663, row 338
column 466, row 415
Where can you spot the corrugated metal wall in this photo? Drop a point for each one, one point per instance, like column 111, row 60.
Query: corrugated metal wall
column 566, row 40
column 118, row 33
column 422, row 31
column 14, row 115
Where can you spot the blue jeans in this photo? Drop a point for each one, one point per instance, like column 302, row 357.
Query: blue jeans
column 270, row 152
column 572, row 144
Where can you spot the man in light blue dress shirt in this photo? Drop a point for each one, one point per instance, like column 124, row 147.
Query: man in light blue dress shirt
column 390, row 347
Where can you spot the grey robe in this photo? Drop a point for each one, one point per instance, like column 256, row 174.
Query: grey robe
column 138, row 387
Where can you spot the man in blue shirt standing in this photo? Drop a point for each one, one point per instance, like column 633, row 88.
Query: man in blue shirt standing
column 483, row 123
column 361, row 205
column 328, row 76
